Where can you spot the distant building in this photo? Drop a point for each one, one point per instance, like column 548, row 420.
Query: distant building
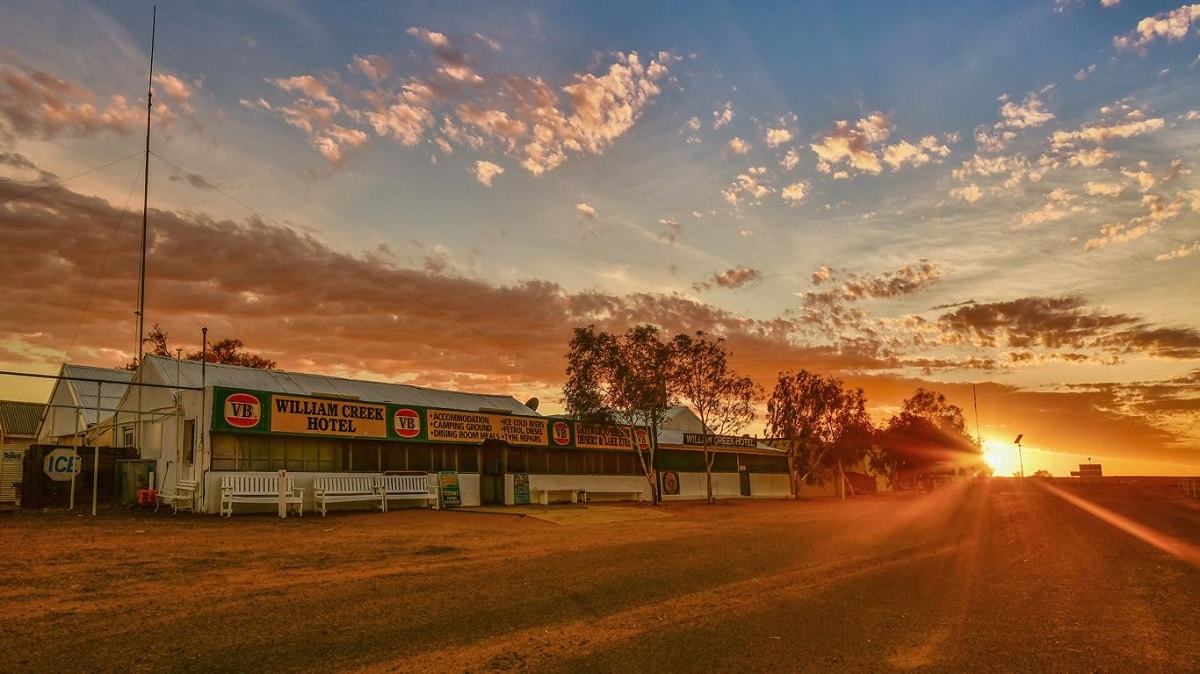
column 82, row 404
column 19, row 423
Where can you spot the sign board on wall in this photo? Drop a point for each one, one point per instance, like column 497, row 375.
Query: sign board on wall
column 62, row 464
column 243, row 411
column 521, row 489
column 448, row 487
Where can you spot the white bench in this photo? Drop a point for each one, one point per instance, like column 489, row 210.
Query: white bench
column 402, row 487
column 181, row 499
column 543, row 495
column 345, row 489
column 620, row 494
column 261, row 488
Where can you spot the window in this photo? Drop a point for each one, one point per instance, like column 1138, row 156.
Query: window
column 188, row 441
column 127, row 436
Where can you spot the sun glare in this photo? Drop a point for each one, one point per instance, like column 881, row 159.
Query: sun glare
column 1002, row 457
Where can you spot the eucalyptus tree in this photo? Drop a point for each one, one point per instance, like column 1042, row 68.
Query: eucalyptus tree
column 723, row 400
column 928, row 435
column 825, row 427
column 621, row 380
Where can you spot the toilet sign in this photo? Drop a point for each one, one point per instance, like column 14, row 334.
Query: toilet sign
column 61, row 464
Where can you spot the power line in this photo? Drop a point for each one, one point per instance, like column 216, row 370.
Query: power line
column 66, row 180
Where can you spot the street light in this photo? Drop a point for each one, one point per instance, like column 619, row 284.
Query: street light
column 1020, row 457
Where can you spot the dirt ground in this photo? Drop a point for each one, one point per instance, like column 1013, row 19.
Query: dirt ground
column 1000, row 576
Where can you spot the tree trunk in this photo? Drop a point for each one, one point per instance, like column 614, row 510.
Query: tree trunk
column 708, row 462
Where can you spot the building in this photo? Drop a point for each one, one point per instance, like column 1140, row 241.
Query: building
column 743, row 466
column 81, row 406
column 200, row 421
column 19, row 423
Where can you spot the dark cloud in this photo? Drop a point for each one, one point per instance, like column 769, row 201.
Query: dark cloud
column 732, row 279
column 1058, row 323
column 71, row 264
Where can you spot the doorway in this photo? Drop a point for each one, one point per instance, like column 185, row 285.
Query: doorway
column 492, row 466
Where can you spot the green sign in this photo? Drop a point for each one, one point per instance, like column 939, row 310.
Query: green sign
column 248, row 411
column 448, row 487
column 521, row 489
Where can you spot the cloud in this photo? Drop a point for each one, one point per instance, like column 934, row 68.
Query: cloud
column 723, row 116
column 1158, row 211
column 970, row 193
column 485, row 170
column 1059, row 204
column 731, row 279
column 455, row 101
column 586, row 211
column 1183, row 251
column 853, row 144
column 34, row 103
column 1028, row 115
column 1014, row 117
column 1063, row 323
column 777, row 137
column 923, row 152
column 796, row 192
column 402, row 314
column 1065, row 140
column 1172, row 26
column 737, row 146
column 906, row 280
column 746, row 188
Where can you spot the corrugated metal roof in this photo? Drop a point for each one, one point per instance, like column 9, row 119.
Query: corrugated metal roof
column 187, row 373
column 20, row 418
column 103, row 394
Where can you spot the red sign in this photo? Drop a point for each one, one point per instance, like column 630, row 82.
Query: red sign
column 407, row 423
column 561, row 432
column 242, row 410
column 643, row 439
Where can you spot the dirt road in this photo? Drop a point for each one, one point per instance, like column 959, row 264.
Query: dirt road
column 988, row 577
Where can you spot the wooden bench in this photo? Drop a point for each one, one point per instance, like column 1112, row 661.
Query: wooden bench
column 262, row 488
column 543, row 495
column 346, row 489
column 181, row 499
column 630, row 494
column 415, row 487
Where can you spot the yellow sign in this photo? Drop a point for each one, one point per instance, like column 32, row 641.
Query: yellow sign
column 459, row 426
column 327, row 417
column 597, row 436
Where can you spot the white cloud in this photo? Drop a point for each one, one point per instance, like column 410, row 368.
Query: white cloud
column 737, row 146
column 586, row 211
column 486, row 170
column 1172, row 26
column 777, row 137
column 723, row 116
column 796, row 192
column 970, row 193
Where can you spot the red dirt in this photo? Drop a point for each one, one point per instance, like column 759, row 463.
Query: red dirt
column 984, row 577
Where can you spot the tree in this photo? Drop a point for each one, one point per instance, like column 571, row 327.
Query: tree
column 929, row 435
column 157, row 340
column 613, row 380
column 229, row 352
column 723, row 400
column 825, row 427
column 1042, row 473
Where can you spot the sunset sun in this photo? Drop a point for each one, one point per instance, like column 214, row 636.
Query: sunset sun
column 1002, row 457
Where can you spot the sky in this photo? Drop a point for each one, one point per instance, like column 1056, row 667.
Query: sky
column 994, row 200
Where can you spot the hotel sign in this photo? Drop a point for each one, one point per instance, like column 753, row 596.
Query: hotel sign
column 260, row 412
column 720, row 440
column 318, row 416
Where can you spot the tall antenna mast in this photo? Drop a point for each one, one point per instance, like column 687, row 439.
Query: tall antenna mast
column 141, row 306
